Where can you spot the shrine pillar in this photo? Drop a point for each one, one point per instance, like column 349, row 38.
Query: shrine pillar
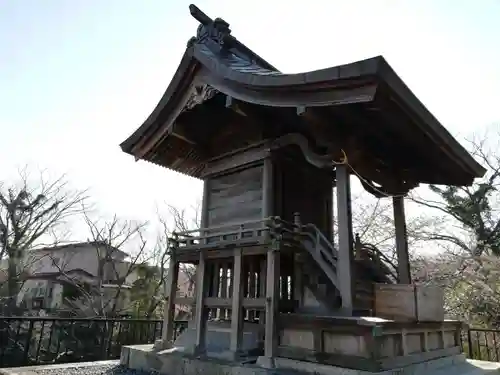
column 345, row 267
column 167, row 337
column 201, row 286
column 272, row 269
column 401, row 240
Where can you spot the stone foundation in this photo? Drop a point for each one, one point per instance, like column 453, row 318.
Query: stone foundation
column 369, row 344
column 171, row 362
column 218, row 339
column 318, row 345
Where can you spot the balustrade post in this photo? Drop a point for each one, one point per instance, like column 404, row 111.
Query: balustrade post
column 297, row 221
column 357, row 247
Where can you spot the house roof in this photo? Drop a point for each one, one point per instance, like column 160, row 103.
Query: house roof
column 85, row 244
column 380, row 124
column 58, row 274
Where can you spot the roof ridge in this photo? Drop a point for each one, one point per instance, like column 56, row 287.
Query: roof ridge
column 216, row 35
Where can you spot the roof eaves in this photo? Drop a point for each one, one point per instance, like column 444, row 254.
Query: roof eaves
column 151, row 122
column 428, row 120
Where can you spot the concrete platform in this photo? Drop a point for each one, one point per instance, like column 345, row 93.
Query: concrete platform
column 172, row 362
column 59, row 368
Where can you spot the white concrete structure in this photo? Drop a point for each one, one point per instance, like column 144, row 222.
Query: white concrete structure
column 49, row 270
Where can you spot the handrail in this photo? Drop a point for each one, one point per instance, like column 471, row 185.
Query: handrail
column 322, row 245
column 380, row 254
column 226, row 226
column 383, row 259
column 322, row 237
column 323, row 250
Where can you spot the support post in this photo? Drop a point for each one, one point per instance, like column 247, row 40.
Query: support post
column 201, row 311
column 401, row 240
column 297, row 272
column 167, row 337
column 236, row 312
column 345, row 267
column 262, row 289
column 272, row 268
column 267, row 189
column 272, row 301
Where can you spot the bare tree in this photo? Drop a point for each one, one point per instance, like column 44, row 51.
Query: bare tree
column 121, row 249
column 373, row 222
column 31, row 211
column 184, row 220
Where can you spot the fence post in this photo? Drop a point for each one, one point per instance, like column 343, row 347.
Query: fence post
column 469, row 343
column 28, row 341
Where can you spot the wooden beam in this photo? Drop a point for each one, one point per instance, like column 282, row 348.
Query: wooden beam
column 301, row 110
column 401, row 240
column 249, row 156
column 236, row 311
column 226, row 303
column 178, row 132
column 169, row 309
column 233, row 104
column 345, row 267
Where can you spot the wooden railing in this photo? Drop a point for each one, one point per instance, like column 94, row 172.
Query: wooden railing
column 379, row 258
column 245, row 233
column 259, row 232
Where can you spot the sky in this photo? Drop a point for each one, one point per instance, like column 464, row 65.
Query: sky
column 77, row 77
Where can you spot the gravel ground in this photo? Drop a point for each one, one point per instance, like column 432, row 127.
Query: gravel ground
column 93, row 370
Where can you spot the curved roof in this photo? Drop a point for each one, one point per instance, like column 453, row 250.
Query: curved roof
column 367, row 91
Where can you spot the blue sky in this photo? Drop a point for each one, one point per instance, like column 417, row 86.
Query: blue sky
column 78, row 76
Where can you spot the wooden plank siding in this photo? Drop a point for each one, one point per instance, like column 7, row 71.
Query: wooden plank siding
column 235, row 197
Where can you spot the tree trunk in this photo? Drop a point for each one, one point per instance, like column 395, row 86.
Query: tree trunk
column 12, row 285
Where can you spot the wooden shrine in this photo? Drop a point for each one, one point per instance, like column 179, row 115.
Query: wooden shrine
column 273, row 150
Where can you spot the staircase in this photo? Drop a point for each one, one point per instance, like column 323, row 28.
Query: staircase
column 319, row 263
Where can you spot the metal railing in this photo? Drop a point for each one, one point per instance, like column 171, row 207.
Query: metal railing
column 481, row 344
column 26, row 341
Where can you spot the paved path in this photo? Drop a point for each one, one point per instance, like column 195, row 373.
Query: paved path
column 85, row 368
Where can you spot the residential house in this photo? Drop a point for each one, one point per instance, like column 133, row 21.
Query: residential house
column 55, row 276
column 66, row 278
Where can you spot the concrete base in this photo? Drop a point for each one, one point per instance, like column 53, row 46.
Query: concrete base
column 173, row 361
column 218, row 339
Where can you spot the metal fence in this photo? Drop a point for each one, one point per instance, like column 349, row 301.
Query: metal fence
column 482, row 344
column 26, row 341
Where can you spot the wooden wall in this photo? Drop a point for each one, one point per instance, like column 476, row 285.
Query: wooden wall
column 303, row 188
column 235, row 197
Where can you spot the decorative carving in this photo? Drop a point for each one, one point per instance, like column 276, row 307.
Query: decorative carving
column 199, row 94
column 216, row 35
